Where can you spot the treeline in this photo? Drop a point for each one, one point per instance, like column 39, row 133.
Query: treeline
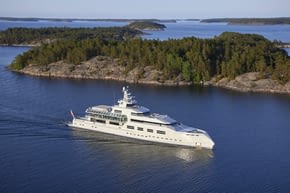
column 193, row 59
column 146, row 25
column 46, row 35
column 264, row 21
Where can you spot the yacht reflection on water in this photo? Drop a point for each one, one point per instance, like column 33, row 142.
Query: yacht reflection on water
column 131, row 150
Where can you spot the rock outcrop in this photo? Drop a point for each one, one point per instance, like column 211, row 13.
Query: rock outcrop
column 251, row 82
column 104, row 68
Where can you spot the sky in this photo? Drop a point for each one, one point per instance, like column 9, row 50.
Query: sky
column 145, row 9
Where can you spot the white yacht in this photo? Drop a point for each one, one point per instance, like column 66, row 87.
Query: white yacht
column 130, row 120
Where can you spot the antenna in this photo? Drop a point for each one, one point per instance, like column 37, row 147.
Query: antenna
column 72, row 114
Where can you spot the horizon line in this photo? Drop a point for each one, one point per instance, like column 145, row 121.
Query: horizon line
column 145, row 18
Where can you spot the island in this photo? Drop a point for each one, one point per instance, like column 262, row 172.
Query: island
column 244, row 62
column 36, row 19
column 39, row 36
column 250, row 21
column 147, row 25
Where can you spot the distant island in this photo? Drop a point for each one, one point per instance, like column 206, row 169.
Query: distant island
column 146, row 25
column 40, row 36
column 35, row 19
column 245, row 62
column 250, row 21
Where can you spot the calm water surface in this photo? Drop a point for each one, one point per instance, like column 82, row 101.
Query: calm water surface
column 40, row 154
column 36, row 24
column 209, row 30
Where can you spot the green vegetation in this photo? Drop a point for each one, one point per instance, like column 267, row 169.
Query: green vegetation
column 146, row 25
column 227, row 55
column 251, row 21
column 46, row 35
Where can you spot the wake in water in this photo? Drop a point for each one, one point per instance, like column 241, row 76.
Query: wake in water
column 18, row 122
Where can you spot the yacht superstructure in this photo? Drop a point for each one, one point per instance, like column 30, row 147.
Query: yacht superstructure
column 128, row 119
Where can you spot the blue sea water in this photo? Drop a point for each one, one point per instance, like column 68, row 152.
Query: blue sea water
column 74, row 24
column 38, row 153
column 209, row 30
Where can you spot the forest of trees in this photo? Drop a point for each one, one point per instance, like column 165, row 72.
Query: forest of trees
column 146, row 25
column 40, row 35
column 227, row 55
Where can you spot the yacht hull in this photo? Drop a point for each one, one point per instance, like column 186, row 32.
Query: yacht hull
column 175, row 138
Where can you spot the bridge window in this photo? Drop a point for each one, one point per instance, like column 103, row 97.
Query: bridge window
column 140, row 129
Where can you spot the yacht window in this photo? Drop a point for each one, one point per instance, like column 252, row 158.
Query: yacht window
column 130, row 127
column 150, row 130
column 140, row 129
column 114, row 123
column 140, row 114
column 101, row 121
column 141, row 121
column 161, row 132
column 135, row 120
column 118, row 111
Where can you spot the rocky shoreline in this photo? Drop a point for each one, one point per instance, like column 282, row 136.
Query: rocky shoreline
column 251, row 82
column 105, row 68
column 102, row 68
